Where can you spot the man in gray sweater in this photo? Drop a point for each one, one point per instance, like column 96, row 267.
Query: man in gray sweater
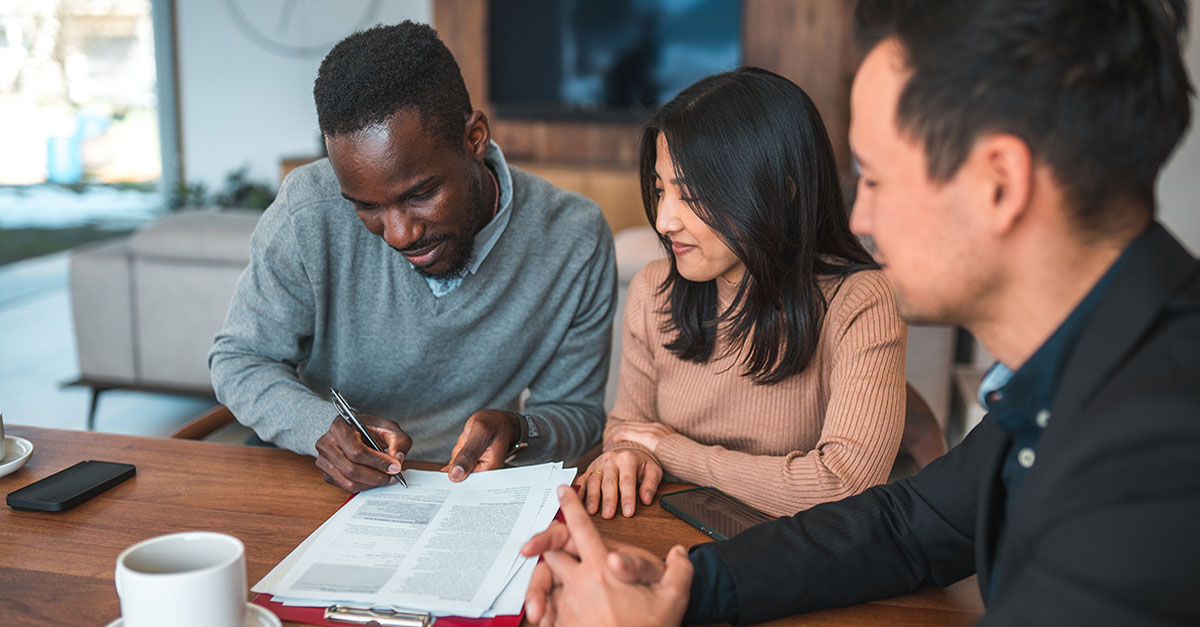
column 423, row 277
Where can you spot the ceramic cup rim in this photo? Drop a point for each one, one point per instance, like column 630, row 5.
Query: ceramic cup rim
column 224, row 537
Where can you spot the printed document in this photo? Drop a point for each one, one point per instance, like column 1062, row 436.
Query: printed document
column 436, row 546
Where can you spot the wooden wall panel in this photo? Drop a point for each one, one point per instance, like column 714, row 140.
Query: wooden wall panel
column 614, row 189
column 580, row 143
column 462, row 25
column 811, row 43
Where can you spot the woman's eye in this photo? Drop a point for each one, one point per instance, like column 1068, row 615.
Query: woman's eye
column 422, row 196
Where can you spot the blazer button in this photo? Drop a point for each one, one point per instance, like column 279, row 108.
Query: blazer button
column 1043, row 418
column 1025, row 457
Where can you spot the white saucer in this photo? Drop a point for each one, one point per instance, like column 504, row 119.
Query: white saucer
column 256, row 616
column 16, row 452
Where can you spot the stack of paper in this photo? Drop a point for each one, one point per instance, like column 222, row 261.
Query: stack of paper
column 436, row 546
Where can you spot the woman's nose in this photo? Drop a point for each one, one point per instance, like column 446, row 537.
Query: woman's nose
column 667, row 220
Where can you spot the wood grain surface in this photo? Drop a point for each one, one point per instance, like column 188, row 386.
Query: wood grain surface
column 57, row 568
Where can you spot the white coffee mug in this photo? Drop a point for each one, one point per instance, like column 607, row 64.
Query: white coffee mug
column 189, row 579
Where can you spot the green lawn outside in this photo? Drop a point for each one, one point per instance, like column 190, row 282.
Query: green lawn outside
column 18, row 244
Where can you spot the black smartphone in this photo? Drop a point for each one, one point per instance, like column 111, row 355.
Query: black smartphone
column 69, row 487
column 712, row 511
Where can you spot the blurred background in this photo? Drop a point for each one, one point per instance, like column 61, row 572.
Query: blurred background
column 139, row 139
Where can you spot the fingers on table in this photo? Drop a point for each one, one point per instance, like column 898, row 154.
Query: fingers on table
column 609, row 488
column 627, row 480
column 652, row 475
column 590, row 484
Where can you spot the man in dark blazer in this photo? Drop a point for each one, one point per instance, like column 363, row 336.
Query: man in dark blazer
column 1008, row 153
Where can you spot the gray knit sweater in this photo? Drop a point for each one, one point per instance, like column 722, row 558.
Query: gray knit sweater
column 324, row 302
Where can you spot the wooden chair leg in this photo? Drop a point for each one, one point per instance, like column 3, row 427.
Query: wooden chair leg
column 922, row 438
column 204, row 424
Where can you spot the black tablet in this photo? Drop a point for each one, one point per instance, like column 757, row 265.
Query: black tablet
column 712, row 511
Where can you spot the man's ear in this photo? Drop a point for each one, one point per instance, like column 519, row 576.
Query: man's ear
column 1003, row 165
column 479, row 134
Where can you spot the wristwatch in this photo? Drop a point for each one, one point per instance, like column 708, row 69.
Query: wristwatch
column 529, row 431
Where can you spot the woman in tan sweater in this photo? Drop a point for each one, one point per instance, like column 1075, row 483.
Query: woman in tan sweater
column 765, row 356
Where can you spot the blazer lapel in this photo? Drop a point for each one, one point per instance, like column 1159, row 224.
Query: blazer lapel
column 1154, row 269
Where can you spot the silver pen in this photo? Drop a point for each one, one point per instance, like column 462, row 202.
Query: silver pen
column 349, row 415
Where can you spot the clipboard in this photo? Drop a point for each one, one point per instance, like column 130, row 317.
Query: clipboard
column 316, row 616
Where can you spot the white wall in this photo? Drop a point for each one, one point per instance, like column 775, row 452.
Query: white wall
column 242, row 104
column 1179, row 185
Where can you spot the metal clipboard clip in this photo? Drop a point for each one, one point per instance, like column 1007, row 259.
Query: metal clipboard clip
column 378, row 615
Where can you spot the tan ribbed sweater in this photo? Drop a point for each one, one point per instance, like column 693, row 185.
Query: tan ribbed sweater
column 829, row 432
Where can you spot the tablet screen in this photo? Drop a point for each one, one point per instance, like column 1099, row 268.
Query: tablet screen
column 712, row 511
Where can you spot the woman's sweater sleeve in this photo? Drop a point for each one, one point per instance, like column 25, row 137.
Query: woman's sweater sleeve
column 637, row 383
column 863, row 423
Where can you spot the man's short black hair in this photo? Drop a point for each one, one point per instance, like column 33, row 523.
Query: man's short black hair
column 370, row 75
column 1097, row 89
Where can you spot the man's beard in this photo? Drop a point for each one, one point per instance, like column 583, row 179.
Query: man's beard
column 464, row 252
column 464, row 244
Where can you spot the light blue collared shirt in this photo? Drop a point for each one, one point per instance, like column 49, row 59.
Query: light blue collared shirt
column 487, row 237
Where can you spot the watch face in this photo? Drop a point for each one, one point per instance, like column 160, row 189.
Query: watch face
column 531, row 429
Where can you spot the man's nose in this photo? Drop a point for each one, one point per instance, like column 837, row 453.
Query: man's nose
column 860, row 217
column 400, row 231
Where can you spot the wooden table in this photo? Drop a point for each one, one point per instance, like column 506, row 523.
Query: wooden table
column 57, row 568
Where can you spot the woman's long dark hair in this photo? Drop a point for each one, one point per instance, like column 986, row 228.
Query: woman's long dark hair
column 750, row 147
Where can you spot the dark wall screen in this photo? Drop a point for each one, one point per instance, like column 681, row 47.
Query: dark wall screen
column 605, row 59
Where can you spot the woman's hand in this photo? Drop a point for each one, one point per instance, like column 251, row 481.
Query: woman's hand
column 648, row 434
column 616, row 475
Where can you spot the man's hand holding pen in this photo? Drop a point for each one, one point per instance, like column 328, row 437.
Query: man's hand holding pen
column 348, row 459
column 352, row 464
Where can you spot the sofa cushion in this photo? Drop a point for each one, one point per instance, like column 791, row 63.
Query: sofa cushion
column 101, row 304
column 217, row 236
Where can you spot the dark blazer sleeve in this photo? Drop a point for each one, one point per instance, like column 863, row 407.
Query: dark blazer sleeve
column 887, row 541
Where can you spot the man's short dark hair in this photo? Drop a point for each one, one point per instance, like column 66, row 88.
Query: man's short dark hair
column 370, row 75
column 1098, row 89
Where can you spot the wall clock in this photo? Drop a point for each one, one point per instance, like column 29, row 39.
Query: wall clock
column 301, row 28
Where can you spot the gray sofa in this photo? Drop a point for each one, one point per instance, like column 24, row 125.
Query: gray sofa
column 146, row 307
